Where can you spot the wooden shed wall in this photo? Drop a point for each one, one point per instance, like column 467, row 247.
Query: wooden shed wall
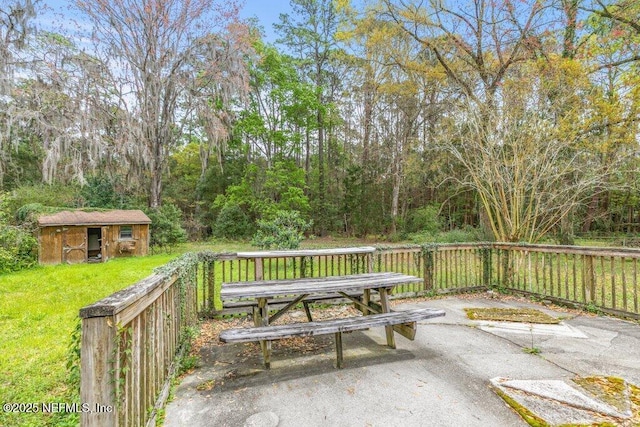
column 137, row 245
column 70, row 243
column 50, row 245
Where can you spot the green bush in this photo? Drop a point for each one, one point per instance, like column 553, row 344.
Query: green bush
column 56, row 195
column 166, row 227
column 284, row 231
column 18, row 249
column 232, row 223
column 424, row 220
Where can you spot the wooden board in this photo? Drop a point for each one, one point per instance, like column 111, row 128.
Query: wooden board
column 348, row 324
column 269, row 289
column 307, row 252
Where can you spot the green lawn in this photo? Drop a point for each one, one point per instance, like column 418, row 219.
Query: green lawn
column 38, row 313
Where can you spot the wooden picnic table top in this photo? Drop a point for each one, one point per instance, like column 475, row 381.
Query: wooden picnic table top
column 317, row 285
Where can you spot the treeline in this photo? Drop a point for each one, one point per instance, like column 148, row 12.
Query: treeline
column 510, row 120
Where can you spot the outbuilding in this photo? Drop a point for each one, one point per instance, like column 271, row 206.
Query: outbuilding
column 79, row 236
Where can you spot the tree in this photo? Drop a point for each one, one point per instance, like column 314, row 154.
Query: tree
column 624, row 22
column 15, row 17
column 15, row 27
column 175, row 59
column 311, row 38
column 279, row 110
column 532, row 169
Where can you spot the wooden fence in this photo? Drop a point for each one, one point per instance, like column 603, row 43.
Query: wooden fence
column 130, row 340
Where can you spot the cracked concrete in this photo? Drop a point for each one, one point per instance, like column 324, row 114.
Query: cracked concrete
column 442, row 378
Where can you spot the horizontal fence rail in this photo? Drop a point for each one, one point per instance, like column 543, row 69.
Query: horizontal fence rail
column 131, row 339
column 603, row 279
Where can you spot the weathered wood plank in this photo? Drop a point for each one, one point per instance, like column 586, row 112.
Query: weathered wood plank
column 348, row 324
column 277, row 303
column 315, row 286
column 97, row 385
column 308, row 252
column 310, row 280
column 407, row 330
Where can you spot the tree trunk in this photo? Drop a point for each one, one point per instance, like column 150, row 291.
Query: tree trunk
column 321, row 181
column 571, row 14
column 592, row 210
column 155, row 192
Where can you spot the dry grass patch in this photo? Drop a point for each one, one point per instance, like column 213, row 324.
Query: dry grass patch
column 524, row 315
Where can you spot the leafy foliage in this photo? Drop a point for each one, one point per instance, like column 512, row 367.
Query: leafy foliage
column 166, row 228
column 57, row 195
column 232, row 223
column 101, row 191
column 425, row 219
column 18, row 248
column 284, row 231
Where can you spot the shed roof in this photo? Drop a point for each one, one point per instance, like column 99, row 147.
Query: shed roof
column 94, row 218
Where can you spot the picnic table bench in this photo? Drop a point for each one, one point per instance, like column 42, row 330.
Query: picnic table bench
column 356, row 288
column 333, row 326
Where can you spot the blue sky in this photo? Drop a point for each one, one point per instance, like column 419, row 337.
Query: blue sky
column 267, row 12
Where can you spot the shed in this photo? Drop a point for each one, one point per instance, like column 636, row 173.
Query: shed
column 79, row 236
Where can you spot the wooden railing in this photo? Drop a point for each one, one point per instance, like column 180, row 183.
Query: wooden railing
column 130, row 340
column 274, row 265
column 604, row 279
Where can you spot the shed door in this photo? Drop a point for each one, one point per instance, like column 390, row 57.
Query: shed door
column 105, row 243
column 74, row 245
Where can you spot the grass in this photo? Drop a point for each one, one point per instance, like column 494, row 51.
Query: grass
column 38, row 313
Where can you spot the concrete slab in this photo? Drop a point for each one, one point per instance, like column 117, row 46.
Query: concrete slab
column 442, row 378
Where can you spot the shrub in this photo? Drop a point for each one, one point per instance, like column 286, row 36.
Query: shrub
column 18, row 249
column 166, row 228
column 232, row 222
column 425, row 219
column 284, row 231
column 58, row 195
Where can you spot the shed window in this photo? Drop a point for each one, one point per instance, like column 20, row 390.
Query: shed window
column 126, row 232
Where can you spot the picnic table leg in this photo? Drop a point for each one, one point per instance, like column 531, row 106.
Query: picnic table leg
column 261, row 318
column 384, row 302
column 366, row 298
column 339, row 350
column 307, row 310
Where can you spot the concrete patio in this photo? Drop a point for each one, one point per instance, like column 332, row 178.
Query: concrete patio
column 448, row 376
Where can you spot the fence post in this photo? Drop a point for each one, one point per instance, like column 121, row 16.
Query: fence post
column 259, row 268
column 427, row 254
column 97, row 383
column 590, row 280
column 211, row 284
column 507, row 271
column 486, row 255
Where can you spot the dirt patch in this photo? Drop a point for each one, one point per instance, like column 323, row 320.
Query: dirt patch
column 523, row 315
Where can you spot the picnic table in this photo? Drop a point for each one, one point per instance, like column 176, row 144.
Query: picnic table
column 355, row 287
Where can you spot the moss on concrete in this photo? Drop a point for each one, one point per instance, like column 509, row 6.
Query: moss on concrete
column 523, row 315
